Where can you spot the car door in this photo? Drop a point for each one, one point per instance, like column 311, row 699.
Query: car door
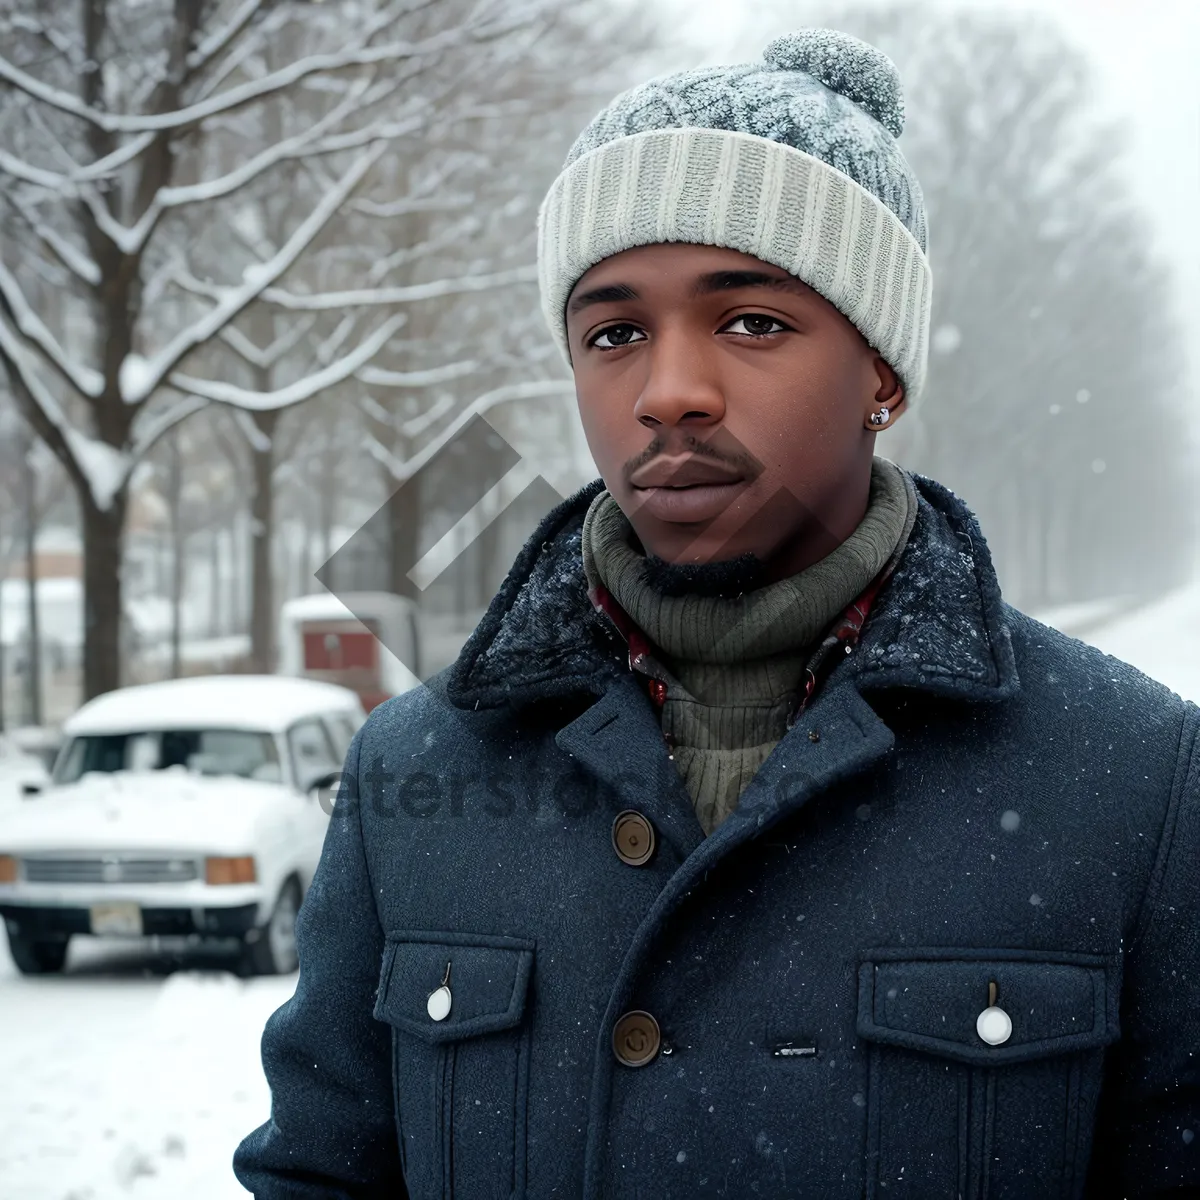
column 312, row 753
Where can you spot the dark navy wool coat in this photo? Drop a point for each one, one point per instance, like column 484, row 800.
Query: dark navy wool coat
column 971, row 799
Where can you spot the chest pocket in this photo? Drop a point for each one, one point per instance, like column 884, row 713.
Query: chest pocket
column 1009, row 1116
column 460, row 1079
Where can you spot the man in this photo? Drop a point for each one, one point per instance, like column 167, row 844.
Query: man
column 753, row 845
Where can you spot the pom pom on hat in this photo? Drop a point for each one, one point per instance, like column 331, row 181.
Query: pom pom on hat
column 845, row 65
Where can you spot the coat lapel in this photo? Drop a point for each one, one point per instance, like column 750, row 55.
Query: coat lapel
column 619, row 740
column 540, row 637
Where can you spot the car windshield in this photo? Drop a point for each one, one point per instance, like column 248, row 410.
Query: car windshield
column 245, row 753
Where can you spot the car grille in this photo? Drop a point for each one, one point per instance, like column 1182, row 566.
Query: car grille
column 110, row 869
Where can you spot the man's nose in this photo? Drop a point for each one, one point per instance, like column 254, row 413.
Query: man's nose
column 681, row 382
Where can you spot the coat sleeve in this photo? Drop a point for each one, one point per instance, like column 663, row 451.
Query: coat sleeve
column 1147, row 1141
column 331, row 1134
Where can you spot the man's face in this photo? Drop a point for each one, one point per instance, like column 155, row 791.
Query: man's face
column 677, row 355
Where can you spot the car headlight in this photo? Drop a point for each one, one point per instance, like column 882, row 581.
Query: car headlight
column 8, row 869
column 230, row 870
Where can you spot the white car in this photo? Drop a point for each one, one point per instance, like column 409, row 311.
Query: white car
column 23, row 764
column 195, row 807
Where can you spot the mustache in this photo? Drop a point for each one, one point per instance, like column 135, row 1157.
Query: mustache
column 734, row 457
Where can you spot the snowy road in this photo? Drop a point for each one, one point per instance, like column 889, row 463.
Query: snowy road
column 129, row 1076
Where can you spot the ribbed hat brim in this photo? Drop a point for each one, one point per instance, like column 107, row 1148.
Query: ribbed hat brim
column 718, row 187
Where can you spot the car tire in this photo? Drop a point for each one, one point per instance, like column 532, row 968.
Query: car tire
column 37, row 956
column 272, row 948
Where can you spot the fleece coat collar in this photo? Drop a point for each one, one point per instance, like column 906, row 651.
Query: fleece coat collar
column 937, row 625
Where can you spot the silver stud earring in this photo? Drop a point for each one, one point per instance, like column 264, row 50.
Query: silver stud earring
column 881, row 417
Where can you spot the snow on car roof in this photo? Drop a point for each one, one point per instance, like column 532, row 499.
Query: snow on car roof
column 318, row 605
column 267, row 702
column 324, row 606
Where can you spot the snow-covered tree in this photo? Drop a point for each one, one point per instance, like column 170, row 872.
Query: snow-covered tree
column 1056, row 373
column 488, row 355
column 137, row 143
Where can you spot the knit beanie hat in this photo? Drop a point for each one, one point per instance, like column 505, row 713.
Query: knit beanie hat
column 792, row 160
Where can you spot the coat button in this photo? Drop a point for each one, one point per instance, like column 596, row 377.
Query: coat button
column 438, row 1004
column 632, row 837
column 994, row 1025
column 636, row 1038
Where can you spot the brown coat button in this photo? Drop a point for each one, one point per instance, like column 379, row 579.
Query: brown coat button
column 632, row 837
column 636, row 1038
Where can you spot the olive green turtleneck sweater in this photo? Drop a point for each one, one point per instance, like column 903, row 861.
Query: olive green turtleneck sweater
column 735, row 666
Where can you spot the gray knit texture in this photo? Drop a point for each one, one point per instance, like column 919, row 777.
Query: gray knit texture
column 821, row 91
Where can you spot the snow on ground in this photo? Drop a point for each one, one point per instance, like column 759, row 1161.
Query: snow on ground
column 126, row 1079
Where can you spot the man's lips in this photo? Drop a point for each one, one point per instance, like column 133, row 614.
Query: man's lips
column 685, row 472
column 693, row 503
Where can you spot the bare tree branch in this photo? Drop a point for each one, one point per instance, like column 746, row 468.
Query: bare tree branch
column 32, row 327
column 219, row 40
column 227, row 101
column 368, row 297
column 267, row 357
column 236, row 299
column 74, row 259
column 378, row 377
column 295, row 393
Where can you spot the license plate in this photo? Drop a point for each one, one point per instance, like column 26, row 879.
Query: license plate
column 117, row 920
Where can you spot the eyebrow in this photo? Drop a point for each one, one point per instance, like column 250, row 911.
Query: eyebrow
column 715, row 281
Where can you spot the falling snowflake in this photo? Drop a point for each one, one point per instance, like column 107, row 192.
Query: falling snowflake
column 946, row 339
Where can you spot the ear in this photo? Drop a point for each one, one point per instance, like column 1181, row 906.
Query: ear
column 890, row 390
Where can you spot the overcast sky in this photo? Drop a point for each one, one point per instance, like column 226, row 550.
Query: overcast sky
column 1146, row 52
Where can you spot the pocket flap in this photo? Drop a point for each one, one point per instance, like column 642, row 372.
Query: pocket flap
column 1057, row 1006
column 489, row 978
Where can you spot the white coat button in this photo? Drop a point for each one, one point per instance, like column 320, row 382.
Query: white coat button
column 438, row 1004
column 994, row 1025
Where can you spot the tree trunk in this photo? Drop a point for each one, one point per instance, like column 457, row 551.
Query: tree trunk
column 215, row 628
column 175, row 498
column 304, row 563
column 262, row 531
column 236, row 607
column 102, row 529
column 404, row 528
column 404, row 513
column 328, row 500
column 33, row 630
column 312, row 519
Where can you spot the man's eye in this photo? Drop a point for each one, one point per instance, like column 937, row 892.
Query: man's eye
column 617, row 335
column 754, row 320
